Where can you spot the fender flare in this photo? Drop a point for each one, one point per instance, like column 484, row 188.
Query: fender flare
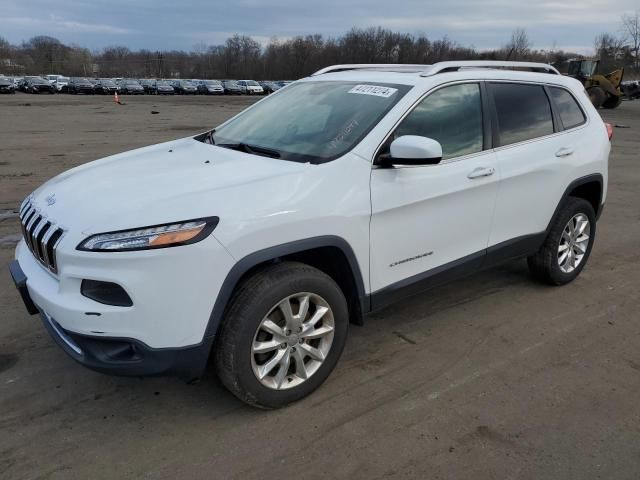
column 594, row 177
column 271, row 253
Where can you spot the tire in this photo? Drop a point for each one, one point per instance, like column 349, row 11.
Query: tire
column 238, row 365
column 612, row 102
column 547, row 264
column 597, row 96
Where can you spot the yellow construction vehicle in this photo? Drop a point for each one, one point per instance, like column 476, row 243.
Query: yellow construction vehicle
column 604, row 90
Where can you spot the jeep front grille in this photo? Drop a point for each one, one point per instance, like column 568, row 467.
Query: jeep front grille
column 41, row 235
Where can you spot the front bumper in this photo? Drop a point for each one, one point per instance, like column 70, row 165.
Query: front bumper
column 113, row 355
column 173, row 290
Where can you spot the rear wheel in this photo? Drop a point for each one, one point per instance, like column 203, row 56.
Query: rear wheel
column 566, row 249
column 597, row 96
column 282, row 335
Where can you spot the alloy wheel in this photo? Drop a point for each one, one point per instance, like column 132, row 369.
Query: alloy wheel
column 574, row 243
column 292, row 341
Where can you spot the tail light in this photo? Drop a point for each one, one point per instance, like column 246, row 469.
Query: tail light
column 609, row 130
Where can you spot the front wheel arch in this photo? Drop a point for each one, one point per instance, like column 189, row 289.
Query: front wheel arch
column 305, row 251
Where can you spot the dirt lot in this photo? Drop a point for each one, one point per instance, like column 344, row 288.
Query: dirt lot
column 490, row 377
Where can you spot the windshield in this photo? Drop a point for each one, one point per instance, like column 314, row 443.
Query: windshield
column 186, row 83
column 252, row 83
column 211, row 82
column 311, row 121
column 163, row 84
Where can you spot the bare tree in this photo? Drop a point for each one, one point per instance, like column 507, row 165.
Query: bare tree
column 5, row 47
column 631, row 28
column 242, row 57
column 609, row 49
column 519, row 45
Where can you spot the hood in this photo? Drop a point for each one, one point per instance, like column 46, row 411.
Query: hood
column 173, row 181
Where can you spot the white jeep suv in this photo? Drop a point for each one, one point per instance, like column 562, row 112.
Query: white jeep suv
column 256, row 243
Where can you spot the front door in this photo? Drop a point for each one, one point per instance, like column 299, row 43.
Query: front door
column 427, row 219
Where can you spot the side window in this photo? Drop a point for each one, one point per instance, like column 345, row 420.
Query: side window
column 523, row 112
column 452, row 116
column 570, row 112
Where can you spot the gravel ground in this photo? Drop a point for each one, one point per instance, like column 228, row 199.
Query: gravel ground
column 493, row 376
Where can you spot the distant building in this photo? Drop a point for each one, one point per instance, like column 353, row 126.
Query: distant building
column 9, row 66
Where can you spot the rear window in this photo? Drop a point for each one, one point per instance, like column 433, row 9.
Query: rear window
column 523, row 112
column 567, row 107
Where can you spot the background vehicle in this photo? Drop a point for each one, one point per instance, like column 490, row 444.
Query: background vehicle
column 18, row 83
column 250, row 87
column 130, row 87
column 22, row 82
column 184, row 87
column 149, row 85
column 105, row 86
column 270, row 87
column 631, row 89
column 164, row 88
column 38, row 85
column 603, row 89
column 61, row 84
column 52, row 78
column 80, row 85
column 210, row 87
column 231, row 87
column 6, row 85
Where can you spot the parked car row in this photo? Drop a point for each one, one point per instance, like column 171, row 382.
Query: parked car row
column 129, row 86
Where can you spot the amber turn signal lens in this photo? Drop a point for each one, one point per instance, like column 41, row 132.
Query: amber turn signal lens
column 170, row 238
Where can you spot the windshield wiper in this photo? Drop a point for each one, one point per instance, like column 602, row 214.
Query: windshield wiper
column 253, row 149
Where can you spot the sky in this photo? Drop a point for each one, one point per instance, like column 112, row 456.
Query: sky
column 185, row 24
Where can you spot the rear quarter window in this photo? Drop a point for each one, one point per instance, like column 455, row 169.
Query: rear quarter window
column 523, row 112
column 567, row 107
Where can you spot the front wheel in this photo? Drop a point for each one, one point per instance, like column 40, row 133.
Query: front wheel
column 566, row 249
column 282, row 335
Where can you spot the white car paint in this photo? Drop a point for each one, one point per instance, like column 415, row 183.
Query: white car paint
column 248, row 88
column 431, row 214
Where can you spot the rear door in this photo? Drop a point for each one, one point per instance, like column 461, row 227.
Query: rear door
column 533, row 156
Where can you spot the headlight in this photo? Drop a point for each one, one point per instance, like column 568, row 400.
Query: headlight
column 156, row 236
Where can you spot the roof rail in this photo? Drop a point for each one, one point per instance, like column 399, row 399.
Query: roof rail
column 388, row 67
column 440, row 67
column 452, row 66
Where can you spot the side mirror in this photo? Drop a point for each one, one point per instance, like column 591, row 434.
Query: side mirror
column 414, row 150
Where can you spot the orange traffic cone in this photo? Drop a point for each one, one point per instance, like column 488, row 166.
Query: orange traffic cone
column 116, row 98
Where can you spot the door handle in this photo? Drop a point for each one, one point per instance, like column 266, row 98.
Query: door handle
column 564, row 152
column 481, row 172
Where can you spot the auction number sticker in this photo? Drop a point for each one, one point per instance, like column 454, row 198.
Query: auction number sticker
column 375, row 90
